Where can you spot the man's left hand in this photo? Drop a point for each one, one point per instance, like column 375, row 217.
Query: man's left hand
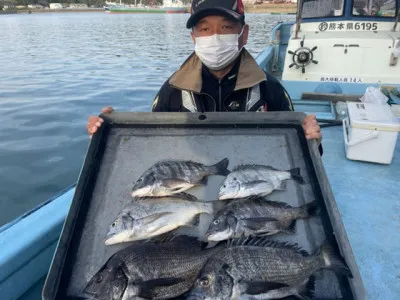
column 311, row 128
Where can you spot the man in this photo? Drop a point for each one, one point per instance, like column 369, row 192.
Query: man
column 220, row 75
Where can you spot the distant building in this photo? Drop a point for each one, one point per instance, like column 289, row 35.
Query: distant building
column 172, row 3
column 55, row 6
column 9, row 6
column 35, row 6
column 78, row 6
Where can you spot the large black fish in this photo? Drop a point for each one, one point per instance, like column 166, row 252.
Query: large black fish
column 256, row 266
column 150, row 270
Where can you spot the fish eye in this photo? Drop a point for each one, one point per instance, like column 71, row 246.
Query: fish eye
column 204, row 281
column 216, row 222
column 100, row 279
column 224, row 186
column 140, row 180
column 234, row 178
column 114, row 224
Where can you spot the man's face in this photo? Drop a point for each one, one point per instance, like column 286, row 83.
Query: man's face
column 211, row 25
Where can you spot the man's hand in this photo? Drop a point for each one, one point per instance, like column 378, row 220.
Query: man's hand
column 311, row 128
column 95, row 122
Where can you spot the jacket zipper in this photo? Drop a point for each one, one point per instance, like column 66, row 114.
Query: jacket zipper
column 205, row 94
column 220, row 95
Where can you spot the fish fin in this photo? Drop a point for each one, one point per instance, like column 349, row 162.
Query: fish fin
column 312, row 208
column 173, row 182
column 146, row 288
column 246, row 166
column 257, row 223
column 292, row 227
column 221, row 168
column 183, row 232
column 259, row 287
column 271, row 168
column 334, row 261
column 264, row 200
column 309, row 288
column 186, row 196
column 195, row 220
column 306, row 291
column 295, row 174
column 219, row 205
column 255, row 183
column 267, row 242
column 203, row 181
column 281, row 186
column 163, row 238
column 152, row 218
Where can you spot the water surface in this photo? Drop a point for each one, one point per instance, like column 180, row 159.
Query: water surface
column 58, row 68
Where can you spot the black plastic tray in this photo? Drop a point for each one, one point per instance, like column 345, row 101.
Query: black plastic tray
column 129, row 143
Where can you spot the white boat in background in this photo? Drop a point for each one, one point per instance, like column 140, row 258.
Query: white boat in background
column 168, row 7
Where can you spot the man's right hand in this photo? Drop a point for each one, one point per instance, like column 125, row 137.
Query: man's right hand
column 95, row 122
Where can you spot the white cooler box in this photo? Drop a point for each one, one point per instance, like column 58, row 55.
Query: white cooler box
column 370, row 132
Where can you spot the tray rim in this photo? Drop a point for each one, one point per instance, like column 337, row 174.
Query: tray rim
column 190, row 120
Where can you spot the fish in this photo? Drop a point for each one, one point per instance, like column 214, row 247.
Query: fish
column 146, row 218
column 279, row 267
column 247, row 180
column 150, row 270
column 171, row 177
column 256, row 216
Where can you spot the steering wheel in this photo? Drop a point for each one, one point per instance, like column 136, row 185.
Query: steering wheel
column 302, row 57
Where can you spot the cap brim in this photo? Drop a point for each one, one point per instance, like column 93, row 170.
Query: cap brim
column 218, row 11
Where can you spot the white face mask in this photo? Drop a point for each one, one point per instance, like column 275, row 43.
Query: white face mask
column 219, row 50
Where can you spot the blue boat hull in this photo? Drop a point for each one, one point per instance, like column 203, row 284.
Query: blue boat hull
column 366, row 195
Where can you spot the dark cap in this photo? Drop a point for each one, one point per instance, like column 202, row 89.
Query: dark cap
column 233, row 9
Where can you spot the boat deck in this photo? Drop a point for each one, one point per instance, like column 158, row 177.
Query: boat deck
column 368, row 199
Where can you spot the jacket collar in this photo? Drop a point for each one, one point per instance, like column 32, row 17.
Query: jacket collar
column 188, row 77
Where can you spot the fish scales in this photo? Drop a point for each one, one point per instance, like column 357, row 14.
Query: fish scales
column 247, row 263
column 256, row 215
column 169, row 177
column 177, row 261
column 246, row 180
column 145, row 218
column 280, row 268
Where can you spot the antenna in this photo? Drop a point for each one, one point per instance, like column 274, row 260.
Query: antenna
column 299, row 14
column 397, row 19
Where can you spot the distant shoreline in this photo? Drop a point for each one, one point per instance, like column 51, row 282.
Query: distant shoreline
column 285, row 8
column 64, row 10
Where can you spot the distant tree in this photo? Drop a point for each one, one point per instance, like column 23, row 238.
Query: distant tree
column 43, row 3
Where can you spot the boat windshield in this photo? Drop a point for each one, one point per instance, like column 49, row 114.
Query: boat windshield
column 322, row 8
column 381, row 8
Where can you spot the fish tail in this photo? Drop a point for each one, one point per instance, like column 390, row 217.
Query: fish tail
column 292, row 228
column 295, row 174
column 220, row 168
column 333, row 261
column 218, row 205
column 309, row 210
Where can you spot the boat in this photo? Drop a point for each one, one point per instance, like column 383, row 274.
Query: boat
column 333, row 52
column 320, row 59
column 168, row 7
